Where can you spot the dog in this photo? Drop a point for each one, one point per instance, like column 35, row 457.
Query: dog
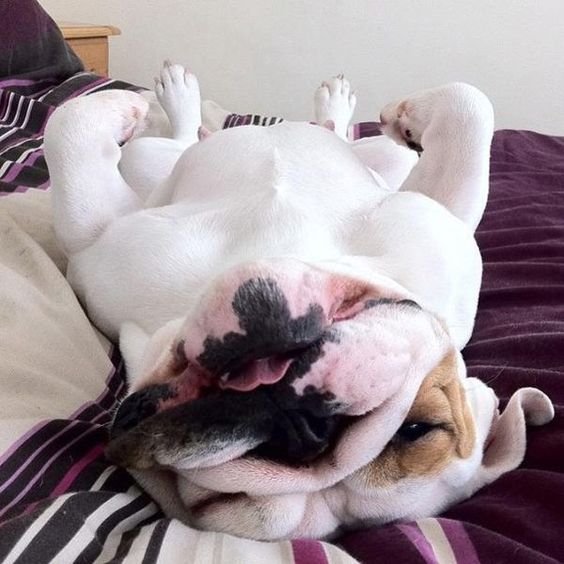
column 291, row 307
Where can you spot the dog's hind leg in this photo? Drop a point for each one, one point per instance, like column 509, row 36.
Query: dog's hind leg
column 82, row 150
column 451, row 127
column 178, row 92
column 148, row 161
column 334, row 105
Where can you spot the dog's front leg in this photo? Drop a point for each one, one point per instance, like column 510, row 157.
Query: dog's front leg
column 451, row 127
column 82, row 150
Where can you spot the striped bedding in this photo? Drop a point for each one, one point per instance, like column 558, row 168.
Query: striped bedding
column 60, row 501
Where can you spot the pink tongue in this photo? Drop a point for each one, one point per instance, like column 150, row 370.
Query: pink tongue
column 257, row 372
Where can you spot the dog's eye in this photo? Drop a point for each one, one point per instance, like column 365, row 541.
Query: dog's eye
column 410, row 432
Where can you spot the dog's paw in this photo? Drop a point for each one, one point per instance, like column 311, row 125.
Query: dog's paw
column 334, row 104
column 401, row 122
column 178, row 92
column 451, row 108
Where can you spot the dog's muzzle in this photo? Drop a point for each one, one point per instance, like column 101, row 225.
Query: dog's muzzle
column 271, row 365
column 247, row 396
column 271, row 420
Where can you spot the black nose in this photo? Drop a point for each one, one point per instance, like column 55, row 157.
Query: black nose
column 299, row 436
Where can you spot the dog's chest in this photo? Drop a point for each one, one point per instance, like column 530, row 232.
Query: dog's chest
column 152, row 267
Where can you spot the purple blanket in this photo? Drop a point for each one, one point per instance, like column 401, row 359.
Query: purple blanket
column 518, row 341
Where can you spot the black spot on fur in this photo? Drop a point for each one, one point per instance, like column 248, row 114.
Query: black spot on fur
column 268, row 328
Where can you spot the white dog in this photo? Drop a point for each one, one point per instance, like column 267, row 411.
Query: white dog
column 291, row 307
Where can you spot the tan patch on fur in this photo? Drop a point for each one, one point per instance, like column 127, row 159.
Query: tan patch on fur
column 440, row 401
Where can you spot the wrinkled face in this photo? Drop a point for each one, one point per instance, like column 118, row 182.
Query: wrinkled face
column 430, row 462
column 278, row 359
column 290, row 378
column 433, row 458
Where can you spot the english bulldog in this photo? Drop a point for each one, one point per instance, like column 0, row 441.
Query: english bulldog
column 291, row 307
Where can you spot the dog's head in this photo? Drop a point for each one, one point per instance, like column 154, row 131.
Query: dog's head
column 306, row 392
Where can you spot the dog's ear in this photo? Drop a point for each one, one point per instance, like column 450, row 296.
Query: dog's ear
column 154, row 354
column 508, row 438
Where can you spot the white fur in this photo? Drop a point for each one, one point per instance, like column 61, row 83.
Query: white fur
column 147, row 240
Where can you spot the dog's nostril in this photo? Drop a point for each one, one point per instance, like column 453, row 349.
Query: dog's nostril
column 299, row 437
column 137, row 407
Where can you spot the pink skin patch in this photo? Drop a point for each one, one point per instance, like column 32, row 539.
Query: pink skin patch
column 189, row 385
column 256, row 373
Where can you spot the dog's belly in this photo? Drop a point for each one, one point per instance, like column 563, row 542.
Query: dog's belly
column 303, row 165
column 245, row 195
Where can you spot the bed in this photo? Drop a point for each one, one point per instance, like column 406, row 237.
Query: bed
column 60, row 379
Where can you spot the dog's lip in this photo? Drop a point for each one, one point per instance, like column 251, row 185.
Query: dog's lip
column 189, row 380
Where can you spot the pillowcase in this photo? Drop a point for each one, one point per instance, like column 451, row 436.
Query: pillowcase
column 32, row 47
